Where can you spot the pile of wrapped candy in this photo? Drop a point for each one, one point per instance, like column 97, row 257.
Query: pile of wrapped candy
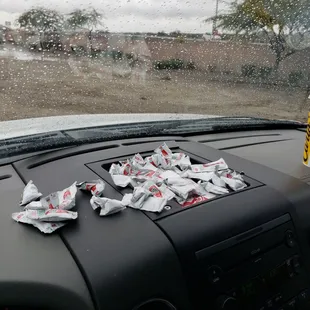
column 48, row 213
column 165, row 175
column 155, row 180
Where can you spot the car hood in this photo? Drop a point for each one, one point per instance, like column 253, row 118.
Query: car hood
column 30, row 126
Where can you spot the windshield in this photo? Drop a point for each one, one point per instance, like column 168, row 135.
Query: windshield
column 210, row 57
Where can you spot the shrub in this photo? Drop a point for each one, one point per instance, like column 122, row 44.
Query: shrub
column 255, row 71
column 211, row 68
column 190, row 65
column 248, row 70
column 171, row 64
column 295, row 78
column 264, row 72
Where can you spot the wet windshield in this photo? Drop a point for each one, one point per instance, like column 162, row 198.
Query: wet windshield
column 212, row 57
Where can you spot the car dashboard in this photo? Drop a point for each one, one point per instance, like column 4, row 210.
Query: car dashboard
column 243, row 250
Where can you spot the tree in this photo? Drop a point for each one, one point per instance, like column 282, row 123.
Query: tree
column 41, row 19
column 278, row 20
column 85, row 18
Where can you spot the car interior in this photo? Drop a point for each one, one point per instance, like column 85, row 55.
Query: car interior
column 248, row 249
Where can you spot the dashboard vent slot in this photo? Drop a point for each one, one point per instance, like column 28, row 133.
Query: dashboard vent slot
column 5, row 176
column 71, row 152
column 155, row 304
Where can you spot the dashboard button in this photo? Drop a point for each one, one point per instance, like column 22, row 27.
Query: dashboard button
column 214, row 274
column 290, row 240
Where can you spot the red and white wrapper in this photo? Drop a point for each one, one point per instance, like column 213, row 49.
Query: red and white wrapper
column 217, row 180
column 163, row 150
column 164, row 158
column 233, row 179
column 149, row 197
column 44, row 227
column 194, row 199
column 53, row 215
column 30, row 193
column 34, row 205
column 171, row 177
column 118, row 176
column 185, row 188
column 96, row 187
column 181, row 160
column 107, row 206
column 203, row 176
column 211, row 188
column 64, row 200
column 234, row 184
column 210, row 167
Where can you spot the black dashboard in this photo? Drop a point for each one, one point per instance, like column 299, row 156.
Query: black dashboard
column 243, row 250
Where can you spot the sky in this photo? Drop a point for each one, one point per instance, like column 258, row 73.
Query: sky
column 128, row 15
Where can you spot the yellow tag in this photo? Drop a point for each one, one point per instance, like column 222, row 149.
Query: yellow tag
column 307, row 144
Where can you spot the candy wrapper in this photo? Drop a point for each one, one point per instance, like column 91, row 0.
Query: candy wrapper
column 165, row 159
column 210, row 167
column 30, row 193
column 53, row 215
column 233, row 179
column 184, row 188
column 64, row 199
column 96, row 187
column 119, row 178
column 108, row 206
column 203, row 176
column 44, row 227
column 149, row 197
column 163, row 150
column 192, row 200
column 214, row 189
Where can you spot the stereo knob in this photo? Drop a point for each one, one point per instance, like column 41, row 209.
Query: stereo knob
column 227, row 303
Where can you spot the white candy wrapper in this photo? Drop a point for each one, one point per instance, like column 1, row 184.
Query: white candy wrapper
column 64, row 199
column 149, row 197
column 217, row 180
column 158, row 161
column 233, row 179
column 163, row 150
column 44, row 227
column 108, row 206
column 137, row 158
column 96, row 187
column 52, row 215
column 119, row 178
column 194, row 199
column 211, row 188
column 181, row 160
column 186, row 189
column 203, row 176
column 165, row 159
column 34, row 205
column 30, row 193
column 171, row 177
column 210, row 167
column 234, row 184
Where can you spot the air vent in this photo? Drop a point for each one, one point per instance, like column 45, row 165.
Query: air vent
column 155, row 304
column 72, row 152
column 5, row 176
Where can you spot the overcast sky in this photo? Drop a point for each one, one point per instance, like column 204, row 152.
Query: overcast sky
column 128, row 15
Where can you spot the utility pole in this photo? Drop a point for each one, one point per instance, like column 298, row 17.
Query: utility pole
column 214, row 26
